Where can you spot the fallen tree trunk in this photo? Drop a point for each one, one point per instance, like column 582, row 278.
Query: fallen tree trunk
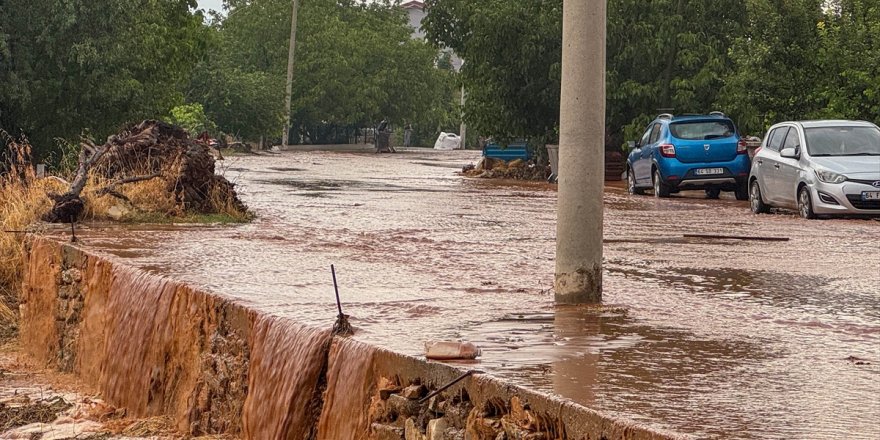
column 113, row 188
column 69, row 206
column 149, row 150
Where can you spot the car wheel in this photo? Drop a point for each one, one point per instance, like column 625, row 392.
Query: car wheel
column 661, row 189
column 713, row 193
column 805, row 203
column 755, row 201
column 742, row 191
column 631, row 183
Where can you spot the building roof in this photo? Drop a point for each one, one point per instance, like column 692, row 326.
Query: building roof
column 413, row 4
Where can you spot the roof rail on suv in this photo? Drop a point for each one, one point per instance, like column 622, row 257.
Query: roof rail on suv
column 718, row 114
column 665, row 116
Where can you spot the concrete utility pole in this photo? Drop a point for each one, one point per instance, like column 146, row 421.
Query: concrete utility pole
column 289, row 90
column 581, row 153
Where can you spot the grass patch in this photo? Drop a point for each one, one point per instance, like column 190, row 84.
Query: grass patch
column 22, row 201
column 191, row 218
column 232, row 152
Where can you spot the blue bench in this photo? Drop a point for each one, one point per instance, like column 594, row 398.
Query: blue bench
column 517, row 150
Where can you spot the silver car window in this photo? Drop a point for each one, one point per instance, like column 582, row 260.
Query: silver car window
column 792, row 140
column 776, row 138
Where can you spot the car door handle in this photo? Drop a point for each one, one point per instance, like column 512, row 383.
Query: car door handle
column 760, row 162
column 776, row 166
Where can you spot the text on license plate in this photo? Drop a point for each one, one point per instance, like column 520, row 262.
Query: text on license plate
column 870, row 195
column 709, row 171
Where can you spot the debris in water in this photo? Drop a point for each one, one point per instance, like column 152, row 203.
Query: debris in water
column 440, row 350
column 857, row 360
column 342, row 327
column 490, row 168
column 151, row 428
column 735, row 237
column 25, row 411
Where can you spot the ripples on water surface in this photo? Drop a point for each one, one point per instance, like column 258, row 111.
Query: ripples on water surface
column 711, row 338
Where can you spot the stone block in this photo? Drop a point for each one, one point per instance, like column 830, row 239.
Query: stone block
column 403, row 406
column 386, row 432
column 436, row 429
column 414, row 392
column 411, row 431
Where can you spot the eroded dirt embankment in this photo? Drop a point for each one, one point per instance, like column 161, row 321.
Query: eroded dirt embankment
column 159, row 347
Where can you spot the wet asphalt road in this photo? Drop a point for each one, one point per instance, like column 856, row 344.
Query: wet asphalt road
column 714, row 338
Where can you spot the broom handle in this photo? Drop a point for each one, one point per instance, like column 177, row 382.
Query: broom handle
column 336, row 288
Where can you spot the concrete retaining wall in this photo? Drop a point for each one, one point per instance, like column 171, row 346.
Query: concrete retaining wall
column 157, row 346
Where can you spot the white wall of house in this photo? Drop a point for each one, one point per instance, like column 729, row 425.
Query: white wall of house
column 416, row 11
column 415, row 21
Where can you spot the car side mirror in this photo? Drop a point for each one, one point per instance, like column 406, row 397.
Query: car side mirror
column 631, row 145
column 790, row 153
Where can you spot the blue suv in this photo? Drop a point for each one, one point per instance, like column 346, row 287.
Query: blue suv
column 689, row 152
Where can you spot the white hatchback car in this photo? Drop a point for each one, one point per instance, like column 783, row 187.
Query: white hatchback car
column 818, row 168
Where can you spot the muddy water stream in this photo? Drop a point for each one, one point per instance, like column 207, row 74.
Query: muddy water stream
column 712, row 338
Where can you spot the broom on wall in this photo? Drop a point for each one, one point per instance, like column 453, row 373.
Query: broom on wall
column 342, row 327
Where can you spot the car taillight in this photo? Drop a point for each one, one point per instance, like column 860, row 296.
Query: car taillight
column 742, row 147
column 667, row 150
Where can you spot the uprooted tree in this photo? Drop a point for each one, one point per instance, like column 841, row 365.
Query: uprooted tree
column 146, row 151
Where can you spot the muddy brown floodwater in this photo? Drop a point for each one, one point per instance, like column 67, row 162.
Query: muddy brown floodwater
column 714, row 338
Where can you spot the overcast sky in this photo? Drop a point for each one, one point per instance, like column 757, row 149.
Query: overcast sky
column 211, row 4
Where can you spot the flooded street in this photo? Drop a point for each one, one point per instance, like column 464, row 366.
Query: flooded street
column 714, row 338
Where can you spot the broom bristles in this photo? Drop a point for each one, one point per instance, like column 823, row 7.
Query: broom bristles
column 342, row 327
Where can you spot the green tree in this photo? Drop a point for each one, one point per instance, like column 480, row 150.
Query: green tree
column 69, row 65
column 661, row 54
column 777, row 70
column 355, row 64
column 666, row 55
column 512, row 62
column 850, row 48
column 193, row 119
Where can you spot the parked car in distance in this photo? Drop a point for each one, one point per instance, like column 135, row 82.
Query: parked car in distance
column 818, row 168
column 689, row 152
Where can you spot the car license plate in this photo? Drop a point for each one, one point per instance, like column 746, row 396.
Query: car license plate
column 870, row 195
column 709, row 171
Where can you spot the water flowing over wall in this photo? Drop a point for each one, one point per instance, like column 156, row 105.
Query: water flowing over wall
column 156, row 346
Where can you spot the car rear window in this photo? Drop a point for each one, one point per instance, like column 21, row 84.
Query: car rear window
column 702, row 130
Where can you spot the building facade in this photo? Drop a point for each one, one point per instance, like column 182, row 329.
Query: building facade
column 416, row 11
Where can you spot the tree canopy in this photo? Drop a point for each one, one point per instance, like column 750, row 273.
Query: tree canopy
column 72, row 65
column 760, row 61
column 356, row 63
column 68, row 65
column 512, row 61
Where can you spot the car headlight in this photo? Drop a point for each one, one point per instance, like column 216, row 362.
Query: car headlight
column 830, row 177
